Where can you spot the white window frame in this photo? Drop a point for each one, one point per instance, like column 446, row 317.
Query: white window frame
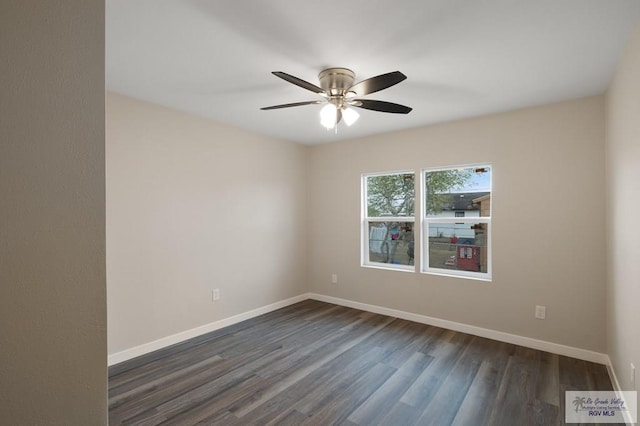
column 425, row 221
column 366, row 220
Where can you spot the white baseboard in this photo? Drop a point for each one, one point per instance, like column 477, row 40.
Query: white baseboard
column 612, row 375
column 145, row 348
column 528, row 342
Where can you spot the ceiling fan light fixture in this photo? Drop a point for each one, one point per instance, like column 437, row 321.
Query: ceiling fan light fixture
column 329, row 116
column 350, row 116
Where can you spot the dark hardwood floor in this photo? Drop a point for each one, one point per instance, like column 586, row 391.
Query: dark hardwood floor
column 320, row 364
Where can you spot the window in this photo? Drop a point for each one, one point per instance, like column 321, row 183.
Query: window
column 454, row 231
column 456, row 222
column 388, row 220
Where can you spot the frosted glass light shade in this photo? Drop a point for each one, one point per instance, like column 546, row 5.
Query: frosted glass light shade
column 350, row 116
column 328, row 116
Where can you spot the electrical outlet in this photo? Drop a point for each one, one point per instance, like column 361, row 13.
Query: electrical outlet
column 215, row 294
column 334, row 278
column 541, row 312
column 633, row 376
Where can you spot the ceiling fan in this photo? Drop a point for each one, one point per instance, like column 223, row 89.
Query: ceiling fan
column 339, row 93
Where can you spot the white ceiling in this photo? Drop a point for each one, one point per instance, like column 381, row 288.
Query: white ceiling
column 463, row 58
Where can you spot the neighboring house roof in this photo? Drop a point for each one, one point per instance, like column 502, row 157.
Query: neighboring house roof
column 465, row 201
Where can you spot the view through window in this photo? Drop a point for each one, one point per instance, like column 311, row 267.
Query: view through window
column 389, row 219
column 457, row 220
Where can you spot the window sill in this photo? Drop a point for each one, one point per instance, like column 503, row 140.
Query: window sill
column 400, row 268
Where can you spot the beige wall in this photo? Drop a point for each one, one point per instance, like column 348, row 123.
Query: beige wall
column 623, row 187
column 52, row 275
column 193, row 205
column 551, row 155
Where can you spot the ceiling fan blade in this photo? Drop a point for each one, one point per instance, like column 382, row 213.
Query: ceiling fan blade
column 295, row 104
column 381, row 106
column 298, row 82
column 377, row 83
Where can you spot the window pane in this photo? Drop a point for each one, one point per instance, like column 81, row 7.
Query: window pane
column 458, row 246
column 390, row 195
column 391, row 242
column 458, row 192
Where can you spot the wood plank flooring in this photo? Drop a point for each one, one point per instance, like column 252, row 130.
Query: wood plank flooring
column 314, row 363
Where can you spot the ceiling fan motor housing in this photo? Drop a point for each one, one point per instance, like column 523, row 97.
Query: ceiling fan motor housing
column 336, row 81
